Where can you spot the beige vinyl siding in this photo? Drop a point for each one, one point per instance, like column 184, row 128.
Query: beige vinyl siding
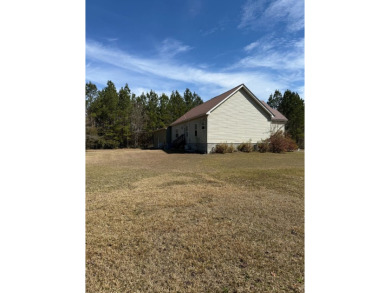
column 191, row 138
column 237, row 120
column 275, row 126
column 180, row 130
column 201, row 136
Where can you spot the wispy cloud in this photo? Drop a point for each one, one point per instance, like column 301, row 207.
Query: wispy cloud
column 281, row 58
column 159, row 67
column 220, row 26
column 209, row 31
column 261, row 14
column 281, row 49
column 251, row 46
column 274, row 53
column 251, row 12
column 171, row 47
column 119, row 66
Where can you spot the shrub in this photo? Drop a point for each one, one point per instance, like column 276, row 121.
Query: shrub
column 291, row 145
column 230, row 148
column 277, row 142
column 245, row 147
column 262, row 146
column 223, row 148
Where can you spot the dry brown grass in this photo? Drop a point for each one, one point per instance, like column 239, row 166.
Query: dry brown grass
column 158, row 222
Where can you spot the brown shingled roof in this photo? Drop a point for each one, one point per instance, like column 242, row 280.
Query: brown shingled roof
column 202, row 109
column 278, row 116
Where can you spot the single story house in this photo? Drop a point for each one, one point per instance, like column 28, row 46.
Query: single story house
column 233, row 117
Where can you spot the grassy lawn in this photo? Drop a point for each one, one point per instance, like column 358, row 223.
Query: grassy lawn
column 158, row 222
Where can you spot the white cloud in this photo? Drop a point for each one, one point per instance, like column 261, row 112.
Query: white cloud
column 275, row 60
column 108, row 63
column 274, row 53
column 251, row 11
column 139, row 90
column 171, row 47
column 251, row 46
column 291, row 11
column 257, row 14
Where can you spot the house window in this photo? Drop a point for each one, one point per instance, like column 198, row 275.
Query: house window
column 186, row 131
column 203, row 124
column 177, row 133
column 196, row 129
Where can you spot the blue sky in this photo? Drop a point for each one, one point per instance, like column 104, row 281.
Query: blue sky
column 206, row 46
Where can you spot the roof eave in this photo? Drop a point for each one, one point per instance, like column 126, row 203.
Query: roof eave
column 217, row 105
column 186, row 120
column 260, row 103
column 250, row 93
column 279, row 120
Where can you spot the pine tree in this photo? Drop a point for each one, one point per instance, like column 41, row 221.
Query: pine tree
column 120, row 119
column 163, row 111
column 124, row 109
column 176, row 106
column 152, row 111
column 274, row 101
column 107, row 114
column 191, row 99
column 91, row 93
column 197, row 100
column 188, row 99
column 91, row 134
column 138, row 119
column 293, row 108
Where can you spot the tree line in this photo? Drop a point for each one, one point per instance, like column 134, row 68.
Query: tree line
column 121, row 119
column 293, row 108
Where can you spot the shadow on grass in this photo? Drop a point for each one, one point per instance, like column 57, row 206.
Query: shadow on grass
column 176, row 151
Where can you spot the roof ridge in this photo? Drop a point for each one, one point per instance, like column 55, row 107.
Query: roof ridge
column 203, row 108
column 220, row 95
